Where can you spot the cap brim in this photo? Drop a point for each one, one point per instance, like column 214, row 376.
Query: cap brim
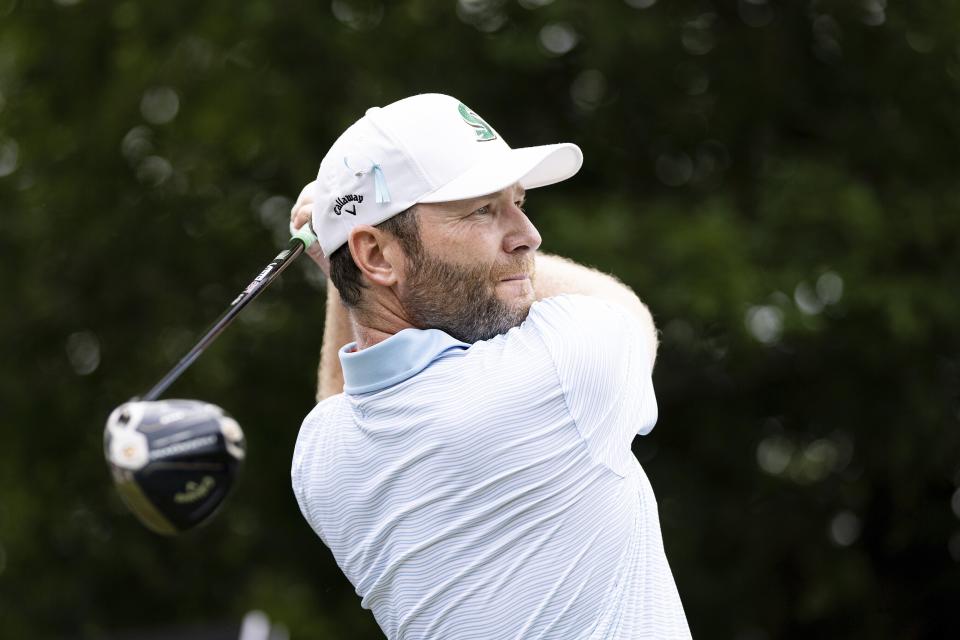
column 530, row 166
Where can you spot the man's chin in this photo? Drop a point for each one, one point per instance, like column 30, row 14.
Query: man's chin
column 513, row 293
column 520, row 308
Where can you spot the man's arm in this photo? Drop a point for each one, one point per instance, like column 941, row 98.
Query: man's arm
column 337, row 331
column 337, row 327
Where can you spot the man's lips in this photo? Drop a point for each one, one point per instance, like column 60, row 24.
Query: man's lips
column 519, row 276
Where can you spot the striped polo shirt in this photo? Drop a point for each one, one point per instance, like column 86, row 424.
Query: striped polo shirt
column 489, row 490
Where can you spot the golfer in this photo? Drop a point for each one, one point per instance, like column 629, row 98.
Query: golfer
column 469, row 462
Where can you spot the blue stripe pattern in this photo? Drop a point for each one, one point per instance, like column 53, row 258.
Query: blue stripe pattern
column 492, row 492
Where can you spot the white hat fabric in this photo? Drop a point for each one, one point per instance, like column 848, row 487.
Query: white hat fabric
column 426, row 148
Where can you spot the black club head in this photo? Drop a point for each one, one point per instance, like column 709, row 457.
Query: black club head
column 173, row 461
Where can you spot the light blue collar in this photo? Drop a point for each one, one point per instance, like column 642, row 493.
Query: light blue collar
column 397, row 358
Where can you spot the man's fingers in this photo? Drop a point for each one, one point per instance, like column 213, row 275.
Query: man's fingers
column 306, row 194
column 301, row 215
column 302, row 211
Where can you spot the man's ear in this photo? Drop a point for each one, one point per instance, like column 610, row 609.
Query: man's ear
column 376, row 254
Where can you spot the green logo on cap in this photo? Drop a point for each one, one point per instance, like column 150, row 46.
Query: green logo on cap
column 484, row 132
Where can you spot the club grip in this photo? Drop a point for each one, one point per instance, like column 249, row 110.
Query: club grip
column 303, row 233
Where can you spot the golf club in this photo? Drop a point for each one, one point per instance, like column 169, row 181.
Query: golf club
column 175, row 461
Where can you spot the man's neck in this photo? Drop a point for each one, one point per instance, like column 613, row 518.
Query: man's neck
column 376, row 323
column 368, row 336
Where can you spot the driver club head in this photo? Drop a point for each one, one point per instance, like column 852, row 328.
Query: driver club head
column 173, row 461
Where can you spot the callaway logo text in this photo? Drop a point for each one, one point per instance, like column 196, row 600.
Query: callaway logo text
column 343, row 200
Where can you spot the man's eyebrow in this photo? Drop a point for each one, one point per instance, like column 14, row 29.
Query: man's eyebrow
column 522, row 195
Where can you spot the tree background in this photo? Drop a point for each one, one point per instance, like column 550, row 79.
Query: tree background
column 777, row 180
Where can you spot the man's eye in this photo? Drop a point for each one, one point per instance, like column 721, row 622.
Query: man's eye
column 521, row 204
column 482, row 211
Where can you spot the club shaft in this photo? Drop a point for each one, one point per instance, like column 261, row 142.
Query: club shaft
column 261, row 282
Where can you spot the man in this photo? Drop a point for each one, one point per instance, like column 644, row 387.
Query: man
column 469, row 462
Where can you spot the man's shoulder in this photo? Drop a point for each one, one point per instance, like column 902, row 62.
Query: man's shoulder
column 576, row 303
column 324, row 408
column 586, row 336
column 575, row 313
column 320, row 418
column 314, row 435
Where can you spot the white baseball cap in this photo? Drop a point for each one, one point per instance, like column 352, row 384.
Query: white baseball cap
column 426, row 148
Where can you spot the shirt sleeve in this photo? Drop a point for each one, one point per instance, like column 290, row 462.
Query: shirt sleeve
column 602, row 357
column 308, row 460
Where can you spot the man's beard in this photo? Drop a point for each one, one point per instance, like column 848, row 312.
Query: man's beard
column 460, row 300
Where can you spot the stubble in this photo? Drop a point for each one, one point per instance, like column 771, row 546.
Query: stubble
column 460, row 300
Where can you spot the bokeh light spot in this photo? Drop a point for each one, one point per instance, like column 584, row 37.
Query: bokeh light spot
column 9, row 157
column 765, row 323
column 955, row 503
column 674, row 169
column 697, row 37
column 136, row 143
column 874, row 12
column 774, row 454
column 920, row 42
column 154, row 171
column 953, row 546
column 711, row 160
column 83, row 352
column 558, row 38
column 807, row 300
column 844, row 528
column 255, row 624
column 357, row 15
column 816, row 462
column 588, row 89
column 483, row 15
column 159, row 105
column 692, row 79
column 826, row 39
column 829, row 288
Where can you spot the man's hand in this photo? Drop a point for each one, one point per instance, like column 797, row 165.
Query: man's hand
column 301, row 214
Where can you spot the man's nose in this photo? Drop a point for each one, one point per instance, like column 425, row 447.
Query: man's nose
column 522, row 236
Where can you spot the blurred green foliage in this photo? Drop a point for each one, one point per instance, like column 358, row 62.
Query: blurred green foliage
column 778, row 180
